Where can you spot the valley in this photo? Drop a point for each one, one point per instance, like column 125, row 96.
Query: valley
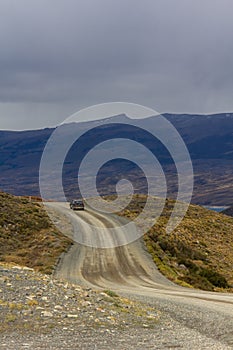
column 208, row 139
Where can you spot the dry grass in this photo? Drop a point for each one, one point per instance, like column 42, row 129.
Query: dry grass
column 198, row 253
column 27, row 236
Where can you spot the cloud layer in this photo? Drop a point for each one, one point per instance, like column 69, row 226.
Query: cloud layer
column 60, row 56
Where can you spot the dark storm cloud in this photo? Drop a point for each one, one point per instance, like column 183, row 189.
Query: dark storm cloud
column 57, row 56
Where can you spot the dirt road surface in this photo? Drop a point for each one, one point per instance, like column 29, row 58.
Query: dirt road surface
column 130, row 271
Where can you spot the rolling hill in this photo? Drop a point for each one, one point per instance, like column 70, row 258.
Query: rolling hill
column 208, row 138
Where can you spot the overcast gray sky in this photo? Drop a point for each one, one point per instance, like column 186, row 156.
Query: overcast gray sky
column 58, row 56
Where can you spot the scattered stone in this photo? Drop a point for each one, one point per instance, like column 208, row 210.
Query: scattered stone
column 25, row 268
column 46, row 313
column 58, row 307
column 32, row 303
column 17, row 267
column 72, row 316
column 183, row 267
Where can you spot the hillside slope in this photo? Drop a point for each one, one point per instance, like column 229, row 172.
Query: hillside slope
column 199, row 253
column 27, row 236
column 208, row 139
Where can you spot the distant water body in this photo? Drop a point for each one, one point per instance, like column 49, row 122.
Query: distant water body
column 215, row 208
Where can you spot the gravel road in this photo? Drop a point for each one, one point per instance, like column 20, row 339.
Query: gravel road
column 200, row 320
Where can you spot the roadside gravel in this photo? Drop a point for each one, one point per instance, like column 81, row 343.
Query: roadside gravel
column 39, row 312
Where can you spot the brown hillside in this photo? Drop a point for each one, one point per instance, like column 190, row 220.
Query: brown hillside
column 199, row 253
column 27, row 236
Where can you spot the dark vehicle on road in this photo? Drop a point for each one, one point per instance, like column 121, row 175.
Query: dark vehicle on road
column 77, row 204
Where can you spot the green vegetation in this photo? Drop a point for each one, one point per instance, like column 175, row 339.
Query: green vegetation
column 27, row 236
column 111, row 293
column 198, row 253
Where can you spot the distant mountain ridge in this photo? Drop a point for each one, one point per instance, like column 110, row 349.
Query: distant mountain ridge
column 209, row 139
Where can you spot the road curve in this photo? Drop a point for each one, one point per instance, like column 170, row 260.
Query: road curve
column 130, row 270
